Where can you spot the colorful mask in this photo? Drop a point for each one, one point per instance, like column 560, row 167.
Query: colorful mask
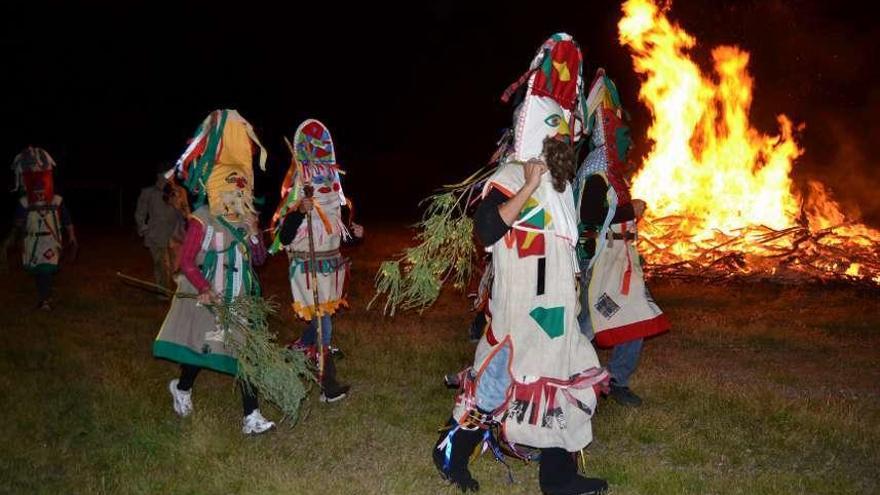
column 553, row 104
column 609, row 136
column 218, row 163
column 314, row 163
column 33, row 172
column 314, row 151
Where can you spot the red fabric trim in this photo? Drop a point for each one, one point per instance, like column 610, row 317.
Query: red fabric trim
column 490, row 336
column 627, row 274
column 486, row 361
column 633, row 331
column 503, row 190
column 505, row 97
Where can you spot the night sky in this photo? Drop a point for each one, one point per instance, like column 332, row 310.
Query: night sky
column 410, row 92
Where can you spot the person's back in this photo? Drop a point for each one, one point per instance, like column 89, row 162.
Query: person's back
column 157, row 219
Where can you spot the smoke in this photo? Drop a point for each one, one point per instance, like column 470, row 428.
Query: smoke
column 840, row 155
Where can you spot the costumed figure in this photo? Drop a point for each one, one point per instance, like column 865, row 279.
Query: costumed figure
column 41, row 218
column 309, row 226
column 535, row 378
column 221, row 246
column 616, row 305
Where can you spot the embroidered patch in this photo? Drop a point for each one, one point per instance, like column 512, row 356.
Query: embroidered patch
column 606, row 306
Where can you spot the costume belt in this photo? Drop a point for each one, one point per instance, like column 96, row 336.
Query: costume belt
column 319, row 255
column 629, row 236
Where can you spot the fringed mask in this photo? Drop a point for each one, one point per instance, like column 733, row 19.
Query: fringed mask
column 218, row 163
column 236, row 202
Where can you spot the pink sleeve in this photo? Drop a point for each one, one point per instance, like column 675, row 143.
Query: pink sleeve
column 192, row 244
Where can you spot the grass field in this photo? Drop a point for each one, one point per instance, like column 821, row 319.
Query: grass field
column 757, row 390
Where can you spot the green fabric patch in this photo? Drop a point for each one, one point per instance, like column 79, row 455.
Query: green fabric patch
column 612, row 90
column 551, row 320
column 185, row 355
column 547, row 69
column 41, row 268
column 538, row 220
column 623, row 141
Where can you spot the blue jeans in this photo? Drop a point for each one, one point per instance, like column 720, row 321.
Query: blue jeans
column 624, row 360
column 311, row 334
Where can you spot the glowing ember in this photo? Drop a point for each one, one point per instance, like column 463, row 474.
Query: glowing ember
column 720, row 196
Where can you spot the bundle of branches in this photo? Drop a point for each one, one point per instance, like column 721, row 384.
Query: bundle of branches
column 444, row 251
column 277, row 372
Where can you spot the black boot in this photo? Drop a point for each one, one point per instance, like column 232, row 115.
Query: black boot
column 463, row 444
column 558, row 475
column 331, row 390
column 624, row 396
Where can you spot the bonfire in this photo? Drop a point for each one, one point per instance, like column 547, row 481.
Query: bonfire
column 722, row 204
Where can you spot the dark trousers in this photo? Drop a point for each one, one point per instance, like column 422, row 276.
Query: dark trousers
column 44, row 285
column 556, row 469
column 188, row 374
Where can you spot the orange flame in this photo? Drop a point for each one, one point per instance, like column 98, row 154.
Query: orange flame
column 710, row 175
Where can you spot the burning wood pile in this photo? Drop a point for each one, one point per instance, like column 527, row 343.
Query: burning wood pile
column 760, row 253
column 721, row 201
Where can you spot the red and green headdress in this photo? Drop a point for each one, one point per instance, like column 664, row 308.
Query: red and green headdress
column 33, row 172
column 554, row 99
column 609, row 135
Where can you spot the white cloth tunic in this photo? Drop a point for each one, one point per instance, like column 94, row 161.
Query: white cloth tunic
column 552, row 371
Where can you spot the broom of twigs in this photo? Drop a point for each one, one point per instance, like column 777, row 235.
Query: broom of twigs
column 444, row 250
column 281, row 375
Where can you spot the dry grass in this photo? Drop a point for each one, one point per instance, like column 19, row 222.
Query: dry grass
column 758, row 389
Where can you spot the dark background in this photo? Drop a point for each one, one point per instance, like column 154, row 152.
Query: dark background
column 410, row 91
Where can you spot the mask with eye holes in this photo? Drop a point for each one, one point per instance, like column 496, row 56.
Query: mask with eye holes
column 553, row 103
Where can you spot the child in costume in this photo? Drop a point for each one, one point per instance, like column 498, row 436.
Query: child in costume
column 221, row 246
column 535, row 376
column 312, row 198
column 42, row 218
column 616, row 304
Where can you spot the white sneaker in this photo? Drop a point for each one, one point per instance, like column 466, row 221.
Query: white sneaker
column 181, row 400
column 254, row 423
